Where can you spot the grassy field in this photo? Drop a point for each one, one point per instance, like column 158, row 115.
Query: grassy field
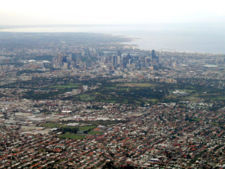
column 220, row 98
column 125, row 93
column 67, row 86
column 95, row 132
column 72, row 136
column 52, row 125
column 73, row 132
column 86, row 97
column 135, row 85
column 85, row 128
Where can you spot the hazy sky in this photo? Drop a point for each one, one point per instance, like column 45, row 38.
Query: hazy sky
column 34, row 12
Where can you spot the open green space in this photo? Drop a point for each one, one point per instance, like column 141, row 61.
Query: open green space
column 52, row 125
column 137, row 93
column 135, row 85
column 86, row 97
column 86, row 128
column 125, row 93
column 73, row 132
column 67, row 86
column 72, row 136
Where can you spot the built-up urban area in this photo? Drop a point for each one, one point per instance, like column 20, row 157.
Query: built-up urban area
column 84, row 100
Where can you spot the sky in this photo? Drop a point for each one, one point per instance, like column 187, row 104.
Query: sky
column 51, row 12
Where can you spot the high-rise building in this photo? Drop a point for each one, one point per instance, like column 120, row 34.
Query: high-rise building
column 155, row 60
column 114, row 61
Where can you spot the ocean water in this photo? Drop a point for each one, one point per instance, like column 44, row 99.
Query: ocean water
column 202, row 38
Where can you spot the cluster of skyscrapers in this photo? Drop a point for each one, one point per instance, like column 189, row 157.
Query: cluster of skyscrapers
column 116, row 59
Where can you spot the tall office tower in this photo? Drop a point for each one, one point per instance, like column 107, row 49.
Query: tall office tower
column 119, row 53
column 125, row 61
column 114, row 61
column 64, row 59
column 129, row 59
column 155, row 57
column 155, row 60
column 147, row 61
column 118, row 59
